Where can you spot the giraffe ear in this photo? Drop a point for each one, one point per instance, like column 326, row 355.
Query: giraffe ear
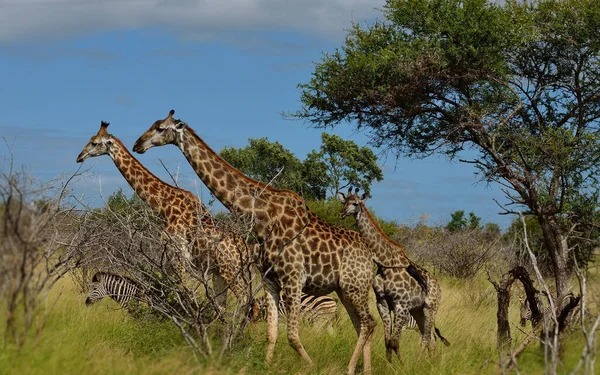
column 341, row 196
column 180, row 126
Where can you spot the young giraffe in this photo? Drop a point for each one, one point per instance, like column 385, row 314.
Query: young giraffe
column 404, row 290
column 186, row 221
column 300, row 252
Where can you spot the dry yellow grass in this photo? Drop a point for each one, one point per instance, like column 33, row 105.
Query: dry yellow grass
column 102, row 339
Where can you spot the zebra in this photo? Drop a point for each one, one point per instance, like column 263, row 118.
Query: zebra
column 120, row 288
column 525, row 311
column 312, row 308
column 317, row 308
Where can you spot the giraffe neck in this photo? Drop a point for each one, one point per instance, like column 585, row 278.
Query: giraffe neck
column 146, row 185
column 386, row 252
column 238, row 192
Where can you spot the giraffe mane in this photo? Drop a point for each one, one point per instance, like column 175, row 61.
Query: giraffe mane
column 380, row 231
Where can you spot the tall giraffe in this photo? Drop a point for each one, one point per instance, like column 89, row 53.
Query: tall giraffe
column 300, row 252
column 406, row 291
column 186, row 221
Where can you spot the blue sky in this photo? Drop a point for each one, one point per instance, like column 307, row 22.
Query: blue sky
column 227, row 68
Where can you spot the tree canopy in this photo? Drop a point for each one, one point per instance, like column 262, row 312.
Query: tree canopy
column 458, row 221
column 337, row 164
column 518, row 84
column 268, row 162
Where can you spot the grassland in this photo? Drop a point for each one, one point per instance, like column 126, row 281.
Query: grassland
column 102, row 339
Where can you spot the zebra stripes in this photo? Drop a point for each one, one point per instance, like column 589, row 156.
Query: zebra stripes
column 120, row 288
column 312, row 308
column 525, row 310
column 317, row 308
column 411, row 324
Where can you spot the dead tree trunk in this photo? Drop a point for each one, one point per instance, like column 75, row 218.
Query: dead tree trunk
column 522, row 275
column 503, row 293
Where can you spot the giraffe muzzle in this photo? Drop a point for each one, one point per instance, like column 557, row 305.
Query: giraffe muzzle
column 138, row 147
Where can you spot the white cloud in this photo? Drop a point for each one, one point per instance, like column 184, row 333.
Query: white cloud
column 35, row 19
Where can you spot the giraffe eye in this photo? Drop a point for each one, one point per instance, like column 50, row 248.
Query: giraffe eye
column 94, row 143
column 160, row 130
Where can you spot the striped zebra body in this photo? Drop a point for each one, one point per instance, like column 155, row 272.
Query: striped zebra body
column 525, row 311
column 119, row 288
column 411, row 324
column 312, row 308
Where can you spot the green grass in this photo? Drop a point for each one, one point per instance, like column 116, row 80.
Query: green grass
column 101, row 339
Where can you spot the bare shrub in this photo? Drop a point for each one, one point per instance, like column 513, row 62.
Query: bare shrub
column 36, row 249
column 550, row 316
column 588, row 323
column 129, row 241
column 457, row 253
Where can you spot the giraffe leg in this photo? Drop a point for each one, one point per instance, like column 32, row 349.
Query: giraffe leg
column 272, row 301
column 427, row 336
column 401, row 318
column 386, row 317
column 232, row 263
column 220, row 290
column 292, row 305
column 238, row 282
column 357, row 307
column 384, row 312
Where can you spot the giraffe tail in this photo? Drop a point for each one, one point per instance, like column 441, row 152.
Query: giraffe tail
column 416, row 274
column 442, row 338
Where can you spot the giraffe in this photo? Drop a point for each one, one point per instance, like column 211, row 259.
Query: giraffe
column 185, row 220
column 299, row 252
column 405, row 291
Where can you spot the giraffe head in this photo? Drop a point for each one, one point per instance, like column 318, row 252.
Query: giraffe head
column 162, row 132
column 99, row 144
column 352, row 202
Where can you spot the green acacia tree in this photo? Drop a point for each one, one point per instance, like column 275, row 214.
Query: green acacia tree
column 337, row 164
column 458, row 221
column 518, row 84
column 268, row 162
column 343, row 164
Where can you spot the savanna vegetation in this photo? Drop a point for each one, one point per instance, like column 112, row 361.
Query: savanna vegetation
column 55, row 331
column 515, row 84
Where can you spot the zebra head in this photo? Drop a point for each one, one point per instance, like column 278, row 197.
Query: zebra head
column 97, row 292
